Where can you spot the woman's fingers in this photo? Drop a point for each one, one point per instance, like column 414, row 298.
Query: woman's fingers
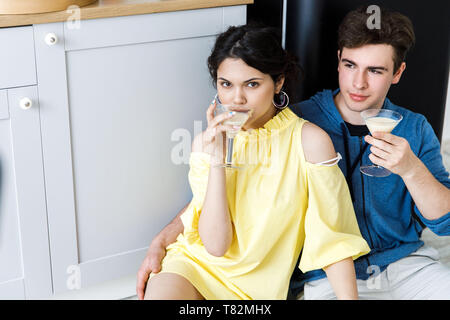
column 210, row 111
column 215, row 125
column 212, row 132
column 220, row 118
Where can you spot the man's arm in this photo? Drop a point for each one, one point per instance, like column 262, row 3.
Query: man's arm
column 342, row 278
column 157, row 251
column 431, row 197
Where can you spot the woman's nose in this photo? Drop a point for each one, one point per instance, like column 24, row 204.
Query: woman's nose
column 239, row 97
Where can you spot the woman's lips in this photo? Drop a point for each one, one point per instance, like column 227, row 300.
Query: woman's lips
column 357, row 97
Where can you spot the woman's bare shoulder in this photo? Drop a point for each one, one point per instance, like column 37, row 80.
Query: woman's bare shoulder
column 317, row 144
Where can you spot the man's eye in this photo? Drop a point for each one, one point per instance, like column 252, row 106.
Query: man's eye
column 375, row 71
column 348, row 65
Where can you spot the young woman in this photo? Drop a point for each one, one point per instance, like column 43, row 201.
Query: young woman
column 244, row 229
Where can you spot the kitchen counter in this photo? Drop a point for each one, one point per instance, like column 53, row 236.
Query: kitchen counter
column 116, row 8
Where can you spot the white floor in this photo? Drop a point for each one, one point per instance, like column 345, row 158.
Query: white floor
column 441, row 244
column 123, row 288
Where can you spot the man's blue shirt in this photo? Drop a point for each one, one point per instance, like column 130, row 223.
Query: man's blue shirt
column 387, row 216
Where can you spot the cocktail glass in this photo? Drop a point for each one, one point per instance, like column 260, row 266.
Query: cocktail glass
column 379, row 120
column 241, row 115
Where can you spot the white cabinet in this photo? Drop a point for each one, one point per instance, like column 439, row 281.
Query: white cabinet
column 24, row 247
column 17, row 64
column 115, row 96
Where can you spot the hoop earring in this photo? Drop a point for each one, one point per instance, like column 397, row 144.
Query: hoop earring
column 284, row 101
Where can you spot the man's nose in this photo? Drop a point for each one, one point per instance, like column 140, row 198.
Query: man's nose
column 360, row 80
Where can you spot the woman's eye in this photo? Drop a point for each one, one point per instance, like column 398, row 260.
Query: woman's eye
column 225, row 84
column 253, row 84
column 349, row 65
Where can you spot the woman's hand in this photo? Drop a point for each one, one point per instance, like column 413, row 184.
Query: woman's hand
column 214, row 137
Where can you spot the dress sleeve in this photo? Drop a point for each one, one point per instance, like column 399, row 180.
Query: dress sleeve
column 331, row 229
column 198, row 180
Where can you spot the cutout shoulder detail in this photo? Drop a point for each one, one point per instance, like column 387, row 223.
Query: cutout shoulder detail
column 331, row 162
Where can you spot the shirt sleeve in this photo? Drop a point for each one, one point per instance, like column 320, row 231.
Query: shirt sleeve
column 198, row 179
column 430, row 154
column 331, row 229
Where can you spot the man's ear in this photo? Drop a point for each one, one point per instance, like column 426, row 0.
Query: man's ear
column 398, row 73
column 339, row 58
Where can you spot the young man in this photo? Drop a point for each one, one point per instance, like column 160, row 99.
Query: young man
column 393, row 210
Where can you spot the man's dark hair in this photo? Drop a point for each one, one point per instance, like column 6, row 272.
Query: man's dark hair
column 395, row 29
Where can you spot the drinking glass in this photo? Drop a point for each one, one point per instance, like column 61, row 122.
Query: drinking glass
column 241, row 114
column 379, row 120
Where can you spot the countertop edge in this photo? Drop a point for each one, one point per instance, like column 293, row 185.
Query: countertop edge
column 95, row 11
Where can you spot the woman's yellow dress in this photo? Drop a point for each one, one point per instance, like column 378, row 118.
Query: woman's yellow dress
column 280, row 205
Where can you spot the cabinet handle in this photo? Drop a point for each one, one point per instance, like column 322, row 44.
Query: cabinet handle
column 25, row 103
column 51, row 39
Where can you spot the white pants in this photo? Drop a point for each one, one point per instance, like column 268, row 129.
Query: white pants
column 419, row 276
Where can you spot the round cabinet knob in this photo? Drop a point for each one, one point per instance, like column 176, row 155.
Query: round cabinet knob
column 25, row 103
column 51, row 39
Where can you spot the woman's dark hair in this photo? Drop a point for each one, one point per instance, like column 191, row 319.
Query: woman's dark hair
column 260, row 48
column 395, row 30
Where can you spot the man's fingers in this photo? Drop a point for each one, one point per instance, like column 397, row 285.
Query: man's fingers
column 140, row 286
column 380, row 144
column 142, row 278
column 379, row 153
column 388, row 137
column 155, row 266
column 378, row 161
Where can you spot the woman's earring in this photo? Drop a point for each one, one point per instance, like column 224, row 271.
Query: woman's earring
column 284, row 100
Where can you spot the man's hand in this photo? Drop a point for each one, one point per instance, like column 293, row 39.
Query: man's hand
column 157, row 251
column 151, row 264
column 393, row 153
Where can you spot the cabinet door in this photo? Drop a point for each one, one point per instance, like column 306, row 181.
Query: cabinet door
column 119, row 98
column 17, row 67
column 24, row 252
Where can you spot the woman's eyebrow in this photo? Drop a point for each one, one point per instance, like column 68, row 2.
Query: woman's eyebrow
column 253, row 79
column 249, row 80
column 245, row 81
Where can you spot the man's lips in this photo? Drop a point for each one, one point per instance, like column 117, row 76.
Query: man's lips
column 357, row 97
